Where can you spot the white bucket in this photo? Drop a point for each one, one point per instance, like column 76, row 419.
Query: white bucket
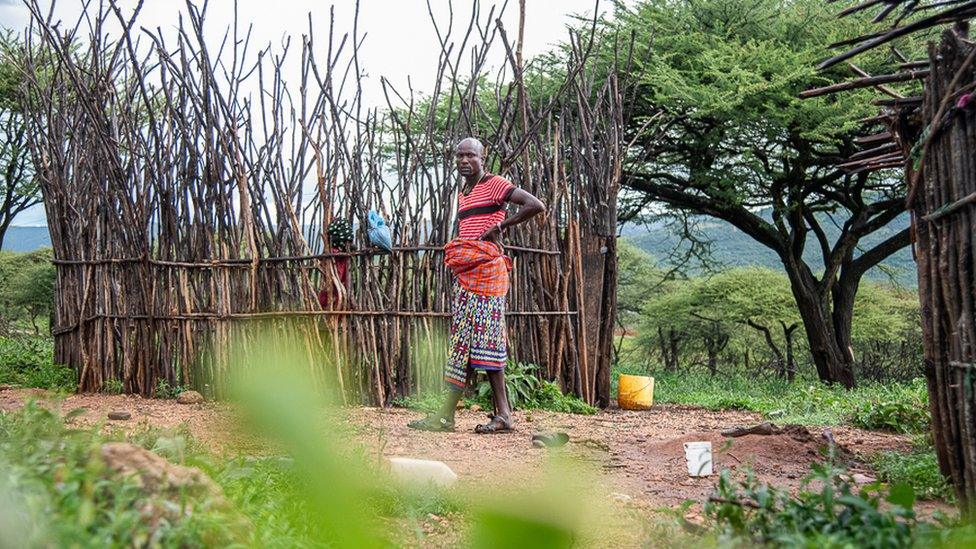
column 699, row 458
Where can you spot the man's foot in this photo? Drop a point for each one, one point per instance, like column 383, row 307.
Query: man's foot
column 498, row 424
column 433, row 423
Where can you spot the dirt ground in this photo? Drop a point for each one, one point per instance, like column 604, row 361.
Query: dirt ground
column 635, row 459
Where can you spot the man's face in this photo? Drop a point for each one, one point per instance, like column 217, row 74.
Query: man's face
column 468, row 159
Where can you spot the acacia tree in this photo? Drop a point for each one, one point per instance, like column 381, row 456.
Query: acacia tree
column 742, row 147
column 18, row 187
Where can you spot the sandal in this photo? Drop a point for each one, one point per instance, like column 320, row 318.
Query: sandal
column 432, row 423
column 496, row 425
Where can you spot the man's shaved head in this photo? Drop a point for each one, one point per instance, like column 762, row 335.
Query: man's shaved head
column 470, row 158
column 471, row 142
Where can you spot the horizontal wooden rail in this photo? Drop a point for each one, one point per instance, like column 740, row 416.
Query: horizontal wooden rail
column 285, row 314
column 243, row 262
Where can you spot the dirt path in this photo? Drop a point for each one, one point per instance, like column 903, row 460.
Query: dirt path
column 638, row 456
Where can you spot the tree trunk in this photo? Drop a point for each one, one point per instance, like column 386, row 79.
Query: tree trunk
column 711, row 347
column 790, row 364
column 828, row 332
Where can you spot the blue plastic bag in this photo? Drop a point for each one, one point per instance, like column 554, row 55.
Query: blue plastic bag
column 379, row 232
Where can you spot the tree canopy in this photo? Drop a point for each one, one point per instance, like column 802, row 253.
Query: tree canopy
column 740, row 145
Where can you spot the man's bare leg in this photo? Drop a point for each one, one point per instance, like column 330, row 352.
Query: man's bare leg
column 443, row 420
column 454, row 396
column 502, row 420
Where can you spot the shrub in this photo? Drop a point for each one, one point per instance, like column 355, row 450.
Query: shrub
column 29, row 362
column 164, row 390
column 526, row 391
column 828, row 511
column 919, row 468
column 112, row 386
column 904, row 409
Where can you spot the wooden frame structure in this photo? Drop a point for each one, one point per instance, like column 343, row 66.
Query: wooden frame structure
column 932, row 136
column 187, row 187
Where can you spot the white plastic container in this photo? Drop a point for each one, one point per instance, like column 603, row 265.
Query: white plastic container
column 422, row 471
column 699, row 458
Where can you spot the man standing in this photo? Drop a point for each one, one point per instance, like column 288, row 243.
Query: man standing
column 480, row 267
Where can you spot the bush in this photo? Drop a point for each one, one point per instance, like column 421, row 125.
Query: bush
column 828, row 511
column 26, row 289
column 164, row 390
column 112, row 386
column 919, row 468
column 29, row 362
column 904, row 409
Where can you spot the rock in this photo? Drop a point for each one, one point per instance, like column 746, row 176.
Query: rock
column 121, row 416
column 860, row 479
column 171, row 491
column 538, row 444
column 475, row 408
column 422, row 471
column 156, row 475
column 189, row 397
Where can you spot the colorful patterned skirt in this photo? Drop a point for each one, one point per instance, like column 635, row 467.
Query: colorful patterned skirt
column 478, row 335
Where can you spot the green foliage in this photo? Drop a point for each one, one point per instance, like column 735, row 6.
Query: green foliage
column 26, row 288
column 918, row 468
column 527, row 391
column 803, row 402
column 549, row 397
column 64, row 495
column 900, row 409
column 828, row 511
column 637, row 279
column 730, row 303
column 113, row 386
column 521, row 384
column 29, row 362
column 164, row 390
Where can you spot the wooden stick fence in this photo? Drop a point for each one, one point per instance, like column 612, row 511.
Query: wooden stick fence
column 933, row 136
column 187, row 191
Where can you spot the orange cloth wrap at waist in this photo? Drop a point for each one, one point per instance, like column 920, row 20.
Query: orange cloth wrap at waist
column 481, row 267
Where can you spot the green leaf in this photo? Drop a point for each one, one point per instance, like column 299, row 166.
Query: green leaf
column 902, row 494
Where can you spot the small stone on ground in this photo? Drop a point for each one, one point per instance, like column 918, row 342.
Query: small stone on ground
column 119, row 415
column 189, row 397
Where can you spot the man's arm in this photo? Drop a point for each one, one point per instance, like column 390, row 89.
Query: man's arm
column 529, row 207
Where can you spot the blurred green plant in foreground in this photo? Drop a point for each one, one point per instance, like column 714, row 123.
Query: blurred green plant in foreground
column 310, row 484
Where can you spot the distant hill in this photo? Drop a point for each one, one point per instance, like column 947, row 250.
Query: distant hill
column 732, row 248
column 26, row 239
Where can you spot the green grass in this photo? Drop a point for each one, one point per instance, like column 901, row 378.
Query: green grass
column 898, row 407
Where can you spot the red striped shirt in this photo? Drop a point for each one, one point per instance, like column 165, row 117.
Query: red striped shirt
column 483, row 207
